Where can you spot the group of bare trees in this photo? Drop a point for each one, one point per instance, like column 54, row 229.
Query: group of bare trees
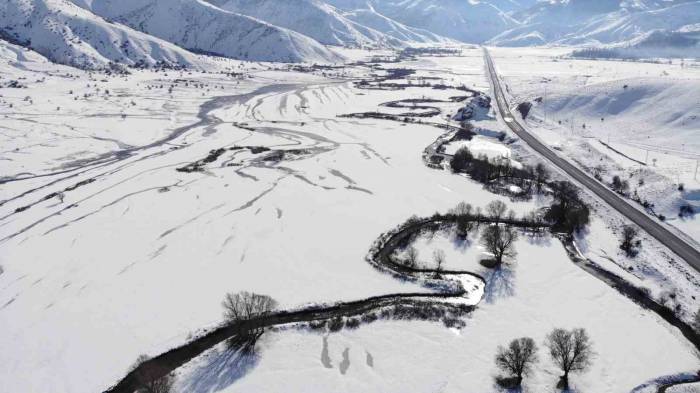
column 619, row 185
column 498, row 237
column 485, row 170
column 412, row 261
column 570, row 350
column 568, row 213
column 461, row 159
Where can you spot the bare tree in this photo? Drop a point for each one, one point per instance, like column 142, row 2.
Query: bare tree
column 464, row 225
column 685, row 210
column 571, row 351
column 629, row 242
column 518, row 358
column 619, row 185
column 151, row 377
column 499, row 240
column 243, row 306
column 496, row 210
column 465, row 216
column 461, row 159
column 541, row 175
column 412, row 257
column 439, row 258
column 462, row 209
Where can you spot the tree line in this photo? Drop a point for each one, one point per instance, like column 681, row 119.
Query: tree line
column 485, row 170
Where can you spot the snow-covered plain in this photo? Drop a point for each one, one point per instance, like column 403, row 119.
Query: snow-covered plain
column 132, row 256
column 541, row 291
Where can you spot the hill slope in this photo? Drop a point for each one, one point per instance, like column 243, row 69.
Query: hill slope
column 371, row 18
column 202, row 27
column 580, row 22
column 312, row 18
column 70, row 35
column 625, row 25
column 462, row 20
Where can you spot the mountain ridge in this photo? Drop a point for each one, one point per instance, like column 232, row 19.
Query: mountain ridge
column 147, row 33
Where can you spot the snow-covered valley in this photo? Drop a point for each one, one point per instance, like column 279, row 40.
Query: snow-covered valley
column 131, row 204
column 103, row 34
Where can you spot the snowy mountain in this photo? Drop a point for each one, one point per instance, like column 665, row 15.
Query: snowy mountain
column 511, row 5
column 683, row 43
column 95, row 33
column 312, row 18
column 204, row 28
column 547, row 22
column 372, row 19
column 581, row 22
column 626, row 24
column 70, row 35
column 467, row 21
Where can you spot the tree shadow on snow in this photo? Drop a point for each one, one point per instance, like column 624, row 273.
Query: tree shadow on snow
column 503, row 384
column 506, row 385
column 500, row 283
column 461, row 243
column 539, row 239
column 220, row 369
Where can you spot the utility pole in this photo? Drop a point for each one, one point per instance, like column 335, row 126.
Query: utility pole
column 572, row 125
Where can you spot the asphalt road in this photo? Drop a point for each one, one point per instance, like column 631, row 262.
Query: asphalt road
column 653, row 227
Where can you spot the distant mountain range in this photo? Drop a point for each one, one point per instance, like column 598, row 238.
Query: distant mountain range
column 95, row 33
column 600, row 22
